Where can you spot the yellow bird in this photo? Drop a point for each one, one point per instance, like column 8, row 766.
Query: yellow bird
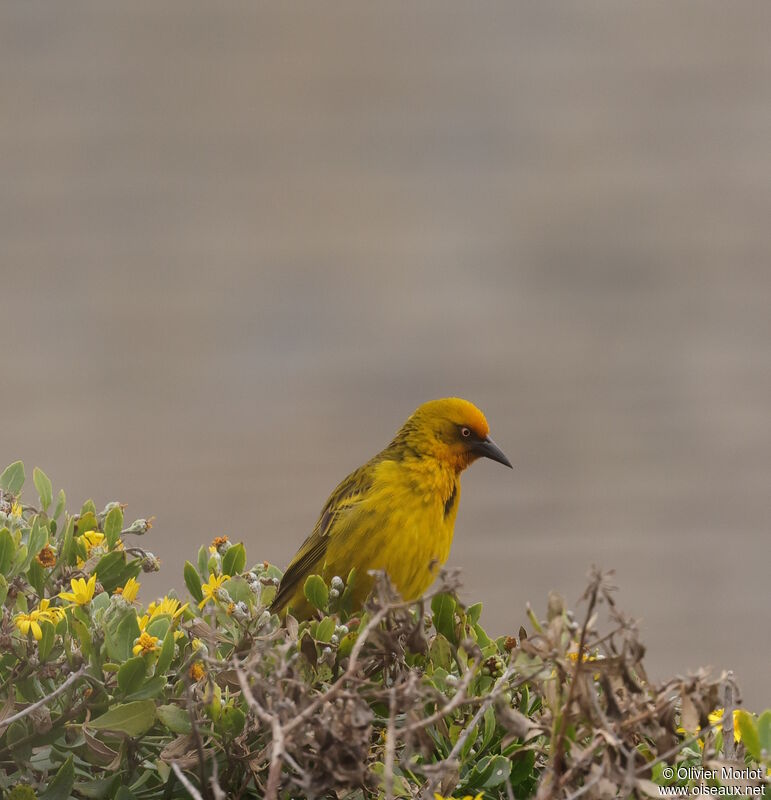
column 396, row 512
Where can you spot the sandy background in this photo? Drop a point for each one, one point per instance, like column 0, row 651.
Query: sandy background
column 239, row 243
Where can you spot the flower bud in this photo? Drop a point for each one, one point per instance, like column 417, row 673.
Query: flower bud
column 151, row 563
column 139, row 527
column 223, row 596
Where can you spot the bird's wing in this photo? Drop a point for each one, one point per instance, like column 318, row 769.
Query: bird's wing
column 310, row 557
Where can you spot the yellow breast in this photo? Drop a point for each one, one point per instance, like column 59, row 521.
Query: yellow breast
column 404, row 526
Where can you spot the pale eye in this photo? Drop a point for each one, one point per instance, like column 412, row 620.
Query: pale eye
column 465, row 432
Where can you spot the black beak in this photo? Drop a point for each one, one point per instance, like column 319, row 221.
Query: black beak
column 487, row 448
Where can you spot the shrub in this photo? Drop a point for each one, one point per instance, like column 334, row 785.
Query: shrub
column 213, row 697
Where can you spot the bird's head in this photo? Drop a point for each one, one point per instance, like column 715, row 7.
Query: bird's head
column 453, row 431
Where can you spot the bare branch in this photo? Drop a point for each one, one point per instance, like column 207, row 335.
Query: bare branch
column 390, row 748
column 456, row 700
column 559, row 747
column 44, row 700
column 192, row 791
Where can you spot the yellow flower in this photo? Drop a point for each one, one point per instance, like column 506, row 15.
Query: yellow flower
column 210, row 589
column 82, row 593
column 46, row 557
column 717, row 715
column 29, row 622
column 197, row 671
column 145, row 644
column 714, row 720
column 142, row 621
column 166, row 605
column 16, row 509
column 129, row 591
column 49, row 612
column 465, row 797
column 573, row 656
column 92, row 539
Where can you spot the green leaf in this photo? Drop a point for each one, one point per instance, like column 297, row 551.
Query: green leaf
column 346, row 644
column 83, row 636
column 131, row 674
column 325, row 629
column 749, row 732
column 68, row 542
column 440, row 652
column 232, row 720
column 159, row 627
column 88, row 508
column 100, row 789
column 473, row 613
column 101, row 600
column 61, row 501
column 443, row 608
column 86, row 521
column 167, row 653
column 489, row 728
column 463, row 756
column 151, row 688
column 499, row 770
column 113, row 525
column 37, row 577
column 316, row 592
column 145, row 776
column 234, row 560
column 133, row 719
column 20, row 750
column 3, row 589
column 203, row 561
column 47, row 642
column 12, row 478
column 764, row 732
column 345, row 605
column 522, row 766
column 61, row 786
column 121, row 630
column 124, row 793
column 176, row 719
column 109, row 569
column 38, row 538
column 44, row 489
column 20, row 561
column 239, row 590
column 129, row 570
column 6, row 550
column 483, row 640
column 193, row 581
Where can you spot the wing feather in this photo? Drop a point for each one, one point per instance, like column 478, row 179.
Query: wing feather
column 310, row 557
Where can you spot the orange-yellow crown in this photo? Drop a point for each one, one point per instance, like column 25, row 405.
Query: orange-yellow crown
column 457, row 411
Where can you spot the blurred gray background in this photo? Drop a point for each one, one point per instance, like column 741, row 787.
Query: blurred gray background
column 240, row 242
